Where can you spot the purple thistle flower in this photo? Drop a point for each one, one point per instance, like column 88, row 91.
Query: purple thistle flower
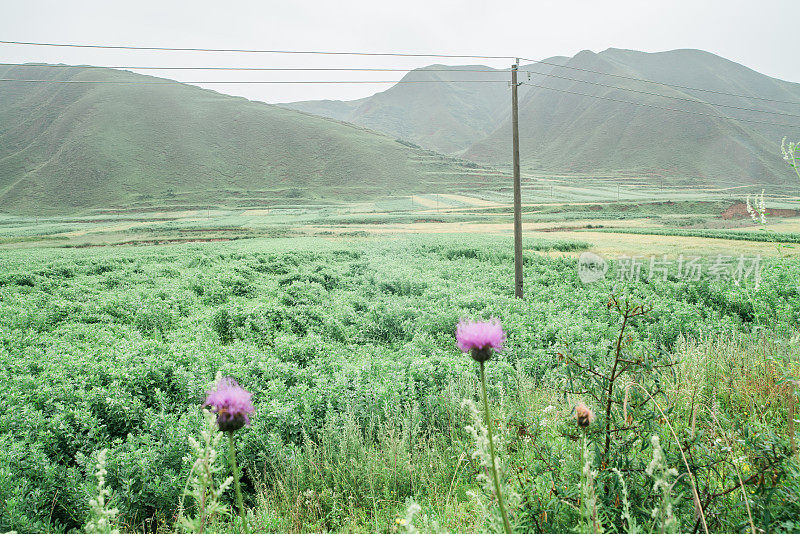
column 480, row 338
column 231, row 403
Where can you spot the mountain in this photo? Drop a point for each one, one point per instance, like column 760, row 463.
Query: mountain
column 444, row 108
column 581, row 122
column 561, row 131
column 140, row 142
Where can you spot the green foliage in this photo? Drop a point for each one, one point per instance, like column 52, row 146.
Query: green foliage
column 737, row 235
column 348, row 349
column 791, row 153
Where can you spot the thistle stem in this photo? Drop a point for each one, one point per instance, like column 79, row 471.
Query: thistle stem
column 235, row 468
column 496, row 477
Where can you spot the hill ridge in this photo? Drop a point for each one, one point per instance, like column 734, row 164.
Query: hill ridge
column 72, row 147
column 564, row 132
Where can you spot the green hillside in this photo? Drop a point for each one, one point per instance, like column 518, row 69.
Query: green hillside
column 566, row 132
column 67, row 147
column 442, row 107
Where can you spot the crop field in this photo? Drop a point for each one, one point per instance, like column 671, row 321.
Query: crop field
column 364, row 414
column 691, row 218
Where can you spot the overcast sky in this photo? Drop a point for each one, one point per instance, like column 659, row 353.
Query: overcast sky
column 763, row 35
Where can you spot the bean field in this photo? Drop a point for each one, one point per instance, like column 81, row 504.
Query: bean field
column 360, row 423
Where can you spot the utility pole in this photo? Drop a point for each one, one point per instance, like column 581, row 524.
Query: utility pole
column 517, row 186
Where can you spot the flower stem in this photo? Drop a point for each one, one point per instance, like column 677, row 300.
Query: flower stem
column 236, row 485
column 496, row 477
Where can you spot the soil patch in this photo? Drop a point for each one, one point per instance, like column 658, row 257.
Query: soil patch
column 739, row 211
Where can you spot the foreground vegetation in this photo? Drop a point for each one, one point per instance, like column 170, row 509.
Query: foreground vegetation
column 360, row 424
column 734, row 235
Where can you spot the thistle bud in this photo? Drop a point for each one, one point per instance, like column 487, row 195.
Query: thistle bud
column 584, row 415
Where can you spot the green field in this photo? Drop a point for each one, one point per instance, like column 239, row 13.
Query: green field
column 347, row 344
column 693, row 218
column 772, row 237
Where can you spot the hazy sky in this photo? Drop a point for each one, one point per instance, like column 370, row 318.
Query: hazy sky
column 763, row 35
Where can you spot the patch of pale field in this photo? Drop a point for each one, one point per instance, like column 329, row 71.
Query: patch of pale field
column 543, row 227
column 448, row 227
column 785, row 225
column 257, row 213
column 508, row 204
column 427, row 202
column 644, row 222
column 121, row 227
column 496, row 204
column 415, row 228
column 615, row 245
column 472, row 201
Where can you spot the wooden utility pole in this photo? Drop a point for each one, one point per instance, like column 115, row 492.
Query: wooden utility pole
column 517, row 186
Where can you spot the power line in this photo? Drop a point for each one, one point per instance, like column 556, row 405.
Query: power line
column 240, row 82
column 267, row 69
column 384, row 54
column 375, row 69
column 644, row 80
column 661, row 107
column 251, row 51
column 167, row 82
